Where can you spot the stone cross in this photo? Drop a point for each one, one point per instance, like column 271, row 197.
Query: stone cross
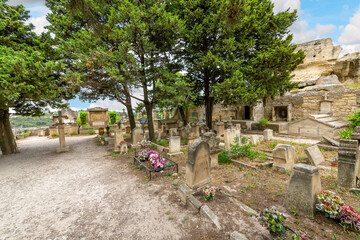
column 63, row 147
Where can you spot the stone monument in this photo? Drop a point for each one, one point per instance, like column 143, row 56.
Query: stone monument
column 98, row 117
column 284, row 156
column 63, row 147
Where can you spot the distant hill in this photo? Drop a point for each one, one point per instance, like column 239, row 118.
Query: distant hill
column 28, row 122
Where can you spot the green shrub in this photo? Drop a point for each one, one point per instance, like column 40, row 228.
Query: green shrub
column 91, row 131
column 162, row 142
column 73, row 133
column 263, row 122
column 83, row 117
column 273, row 145
column 243, row 150
column 54, row 135
column 355, row 120
column 112, row 117
column 346, row 133
column 224, row 157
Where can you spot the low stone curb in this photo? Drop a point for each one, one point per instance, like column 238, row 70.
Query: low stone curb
column 244, row 164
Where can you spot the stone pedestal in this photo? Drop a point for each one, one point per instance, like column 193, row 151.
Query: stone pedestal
column 198, row 166
column 284, row 156
column 348, row 163
column 63, row 147
column 268, row 134
column 229, row 137
column 302, row 189
column 118, row 139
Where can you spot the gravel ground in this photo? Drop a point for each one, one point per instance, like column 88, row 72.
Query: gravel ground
column 82, row 194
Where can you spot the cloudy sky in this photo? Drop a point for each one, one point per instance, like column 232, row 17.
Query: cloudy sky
column 337, row 19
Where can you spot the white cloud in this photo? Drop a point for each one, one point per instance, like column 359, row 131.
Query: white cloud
column 25, row 2
column 300, row 27
column 351, row 32
column 39, row 23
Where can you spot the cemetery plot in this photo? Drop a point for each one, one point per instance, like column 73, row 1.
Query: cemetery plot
column 159, row 165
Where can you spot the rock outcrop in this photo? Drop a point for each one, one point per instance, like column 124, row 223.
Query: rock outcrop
column 347, row 68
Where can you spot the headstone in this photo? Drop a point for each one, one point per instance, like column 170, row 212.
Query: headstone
column 136, row 136
column 268, row 135
column 63, row 147
column 123, row 115
column 127, row 129
column 256, row 139
column 331, row 141
column 198, row 165
column 173, row 132
column 123, row 148
column 348, row 163
column 248, row 125
column 284, row 156
column 314, row 155
column 174, row 144
column 229, row 137
column 303, row 187
column 195, row 130
column 118, row 139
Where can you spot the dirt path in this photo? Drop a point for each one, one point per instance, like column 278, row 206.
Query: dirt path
column 83, row 194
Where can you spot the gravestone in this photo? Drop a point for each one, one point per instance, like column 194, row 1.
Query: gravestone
column 284, row 156
column 348, row 163
column 303, row 187
column 173, row 132
column 195, row 128
column 198, row 166
column 248, row 125
column 268, row 135
column 61, row 130
column 220, row 128
column 256, row 139
column 314, row 155
column 118, row 139
column 136, row 136
column 174, row 145
column 229, row 137
column 98, row 117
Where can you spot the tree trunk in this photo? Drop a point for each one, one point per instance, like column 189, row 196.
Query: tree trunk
column 130, row 112
column 209, row 106
column 7, row 141
column 148, row 108
column 182, row 115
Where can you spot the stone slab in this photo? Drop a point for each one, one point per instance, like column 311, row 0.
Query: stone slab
column 244, row 164
column 183, row 193
column 331, row 141
column 314, row 155
column 193, row 203
column 209, row 214
column 237, row 236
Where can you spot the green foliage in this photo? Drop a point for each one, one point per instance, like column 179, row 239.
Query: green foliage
column 273, row 220
column 83, row 117
column 263, row 122
column 91, row 131
column 224, row 157
column 162, row 142
column 273, row 145
column 355, row 120
column 346, row 133
column 73, row 133
column 112, row 116
column 245, row 150
column 28, row 122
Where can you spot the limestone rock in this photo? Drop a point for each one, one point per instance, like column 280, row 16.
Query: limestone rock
column 347, row 68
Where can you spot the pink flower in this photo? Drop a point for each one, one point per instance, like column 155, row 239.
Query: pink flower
column 207, row 193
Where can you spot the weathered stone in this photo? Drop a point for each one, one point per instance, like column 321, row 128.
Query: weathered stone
column 136, row 136
column 98, row 116
column 198, row 165
column 193, row 203
column 173, row 132
column 268, row 134
column 284, row 156
column 183, row 193
column 209, row 214
column 348, row 163
column 347, row 68
column 230, row 135
column 214, row 159
column 314, row 155
column 302, row 189
column 331, row 141
column 237, row 236
column 118, row 139
column 256, row 139
column 174, row 144
column 327, row 80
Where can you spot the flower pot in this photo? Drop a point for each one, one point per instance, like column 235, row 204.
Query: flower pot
column 334, row 164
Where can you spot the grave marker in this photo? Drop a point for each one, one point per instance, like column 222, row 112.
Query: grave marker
column 348, row 163
column 63, row 147
column 314, row 155
column 284, row 156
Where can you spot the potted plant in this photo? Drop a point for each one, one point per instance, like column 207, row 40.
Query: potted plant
column 156, row 161
column 209, row 193
column 330, row 204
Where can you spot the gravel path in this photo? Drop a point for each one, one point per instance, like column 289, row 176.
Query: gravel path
column 82, row 194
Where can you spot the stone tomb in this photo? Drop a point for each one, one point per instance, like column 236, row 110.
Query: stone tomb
column 268, row 135
column 61, row 130
column 198, row 166
column 302, row 189
column 174, row 145
column 284, row 156
column 98, row 117
column 314, row 155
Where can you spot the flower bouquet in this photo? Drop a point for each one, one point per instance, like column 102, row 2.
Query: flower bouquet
column 101, row 131
column 209, row 193
column 330, row 204
column 144, row 155
column 350, row 218
column 156, row 161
